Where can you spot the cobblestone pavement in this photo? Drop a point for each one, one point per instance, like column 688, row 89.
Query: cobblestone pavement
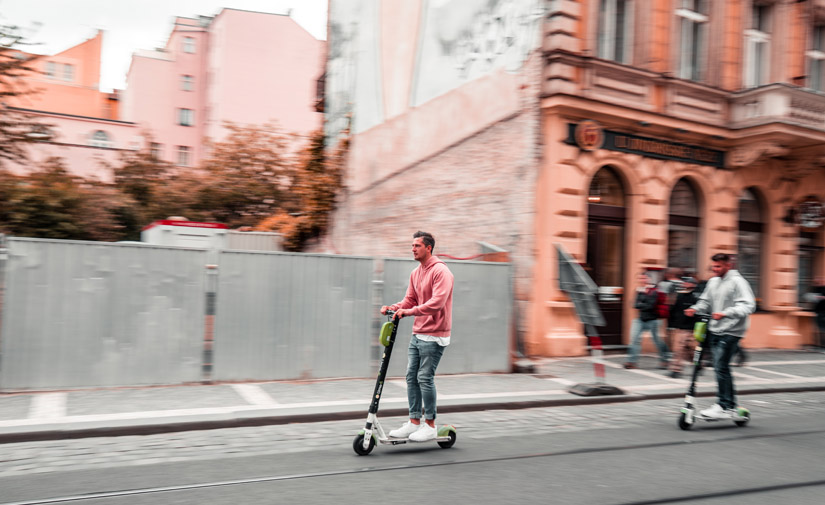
column 18, row 459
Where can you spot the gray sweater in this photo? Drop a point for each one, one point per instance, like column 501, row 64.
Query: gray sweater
column 732, row 296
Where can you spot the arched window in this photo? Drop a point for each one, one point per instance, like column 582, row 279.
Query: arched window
column 751, row 233
column 100, row 139
column 683, row 228
column 606, row 247
column 606, row 189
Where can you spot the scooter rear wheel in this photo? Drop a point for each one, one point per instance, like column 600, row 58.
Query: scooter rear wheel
column 683, row 422
column 358, row 445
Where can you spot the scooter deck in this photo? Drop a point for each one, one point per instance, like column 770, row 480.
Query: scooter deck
column 398, row 441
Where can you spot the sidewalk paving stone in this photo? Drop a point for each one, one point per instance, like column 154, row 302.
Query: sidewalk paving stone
column 133, row 410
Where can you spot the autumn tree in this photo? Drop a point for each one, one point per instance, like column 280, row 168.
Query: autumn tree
column 52, row 203
column 247, row 176
column 16, row 127
column 318, row 180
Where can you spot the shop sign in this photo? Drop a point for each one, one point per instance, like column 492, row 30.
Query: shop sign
column 589, row 136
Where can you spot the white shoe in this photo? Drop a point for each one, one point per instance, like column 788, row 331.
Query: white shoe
column 716, row 412
column 424, row 433
column 406, row 430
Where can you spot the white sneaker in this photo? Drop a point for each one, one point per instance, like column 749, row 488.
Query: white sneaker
column 424, row 433
column 406, row 430
column 716, row 412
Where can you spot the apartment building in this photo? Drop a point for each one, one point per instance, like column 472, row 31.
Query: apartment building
column 249, row 68
column 637, row 134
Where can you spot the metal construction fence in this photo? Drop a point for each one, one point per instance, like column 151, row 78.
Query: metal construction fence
column 94, row 314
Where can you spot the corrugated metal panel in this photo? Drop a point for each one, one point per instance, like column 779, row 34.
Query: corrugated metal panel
column 97, row 314
column 482, row 306
column 253, row 241
column 286, row 316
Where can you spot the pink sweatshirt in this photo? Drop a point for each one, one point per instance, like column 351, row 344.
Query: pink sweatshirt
column 430, row 296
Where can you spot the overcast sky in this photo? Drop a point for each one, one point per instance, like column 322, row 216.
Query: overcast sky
column 56, row 25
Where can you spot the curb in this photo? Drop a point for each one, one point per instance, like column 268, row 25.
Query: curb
column 76, row 432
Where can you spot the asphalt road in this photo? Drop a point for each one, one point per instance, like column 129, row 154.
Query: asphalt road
column 598, row 454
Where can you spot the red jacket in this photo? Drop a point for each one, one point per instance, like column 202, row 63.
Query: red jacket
column 430, row 296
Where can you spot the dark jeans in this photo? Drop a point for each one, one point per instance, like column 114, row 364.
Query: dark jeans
column 724, row 347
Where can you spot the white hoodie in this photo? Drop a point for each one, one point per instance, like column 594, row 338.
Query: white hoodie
column 732, row 296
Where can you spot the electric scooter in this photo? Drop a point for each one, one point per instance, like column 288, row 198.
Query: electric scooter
column 689, row 415
column 373, row 432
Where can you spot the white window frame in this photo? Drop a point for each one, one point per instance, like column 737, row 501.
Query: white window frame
column 156, row 150
column 51, row 69
column 607, row 30
column 186, row 117
column 184, row 156
column 189, row 45
column 757, row 66
column 816, row 58
column 187, row 82
column 68, row 72
column 692, row 59
column 100, row 138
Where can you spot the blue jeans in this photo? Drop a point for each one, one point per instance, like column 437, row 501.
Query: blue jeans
column 423, row 360
column 638, row 328
column 724, row 347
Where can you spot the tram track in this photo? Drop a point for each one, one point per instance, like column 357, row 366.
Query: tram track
column 125, row 493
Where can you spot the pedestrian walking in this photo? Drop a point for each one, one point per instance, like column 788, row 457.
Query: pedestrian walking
column 683, row 342
column 668, row 289
column 729, row 299
column 648, row 320
column 430, row 299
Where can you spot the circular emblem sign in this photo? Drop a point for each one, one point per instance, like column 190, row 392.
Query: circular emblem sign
column 589, row 135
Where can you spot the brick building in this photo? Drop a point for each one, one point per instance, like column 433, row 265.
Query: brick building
column 639, row 134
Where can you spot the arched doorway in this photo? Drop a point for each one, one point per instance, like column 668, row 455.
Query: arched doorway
column 606, row 248
column 683, row 229
column 750, row 241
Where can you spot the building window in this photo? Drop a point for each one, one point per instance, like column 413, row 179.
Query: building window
column 51, row 69
column 816, row 59
column 68, row 72
column 751, row 233
column 189, row 45
column 155, row 150
column 683, row 228
column 757, row 46
column 186, row 117
column 187, row 82
column 100, row 139
column 183, row 155
column 693, row 21
column 615, row 30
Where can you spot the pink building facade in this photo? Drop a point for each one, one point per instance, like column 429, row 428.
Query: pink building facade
column 246, row 67
column 80, row 123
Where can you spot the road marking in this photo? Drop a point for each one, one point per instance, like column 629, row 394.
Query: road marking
column 254, row 395
column 799, row 362
column 400, row 383
column 48, row 406
column 775, row 373
column 739, row 375
column 559, row 380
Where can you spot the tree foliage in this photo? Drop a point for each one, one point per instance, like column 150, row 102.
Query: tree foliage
column 318, row 181
column 52, row 203
column 16, row 127
column 256, row 177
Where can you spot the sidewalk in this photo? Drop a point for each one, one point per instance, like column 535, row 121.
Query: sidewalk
column 144, row 410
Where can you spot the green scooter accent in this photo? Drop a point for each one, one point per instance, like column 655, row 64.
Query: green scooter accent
column 700, row 330
column 386, row 333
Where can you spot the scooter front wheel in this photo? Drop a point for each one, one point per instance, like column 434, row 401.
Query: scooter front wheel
column 448, row 443
column 683, row 422
column 358, row 445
